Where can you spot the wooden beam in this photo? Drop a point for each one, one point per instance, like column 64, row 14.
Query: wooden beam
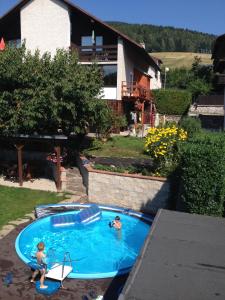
column 58, row 168
column 150, row 115
column 19, row 148
column 142, row 118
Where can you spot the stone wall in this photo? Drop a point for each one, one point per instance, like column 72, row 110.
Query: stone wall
column 208, row 110
column 133, row 191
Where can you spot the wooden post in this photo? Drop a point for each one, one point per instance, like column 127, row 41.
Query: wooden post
column 58, row 169
column 142, row 118
column 150, row 116
column 20, row 163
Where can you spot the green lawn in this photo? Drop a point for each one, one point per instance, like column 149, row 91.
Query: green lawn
column 118, row 146
column 16, row 202
column 181, row 59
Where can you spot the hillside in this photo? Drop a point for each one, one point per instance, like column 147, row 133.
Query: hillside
column 169, row 39
column 181, row 59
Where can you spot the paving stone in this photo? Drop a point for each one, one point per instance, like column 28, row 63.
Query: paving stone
column 6, row 229
column 18, row 221
column 31, row 216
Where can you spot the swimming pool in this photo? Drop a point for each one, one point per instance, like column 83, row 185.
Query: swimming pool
column 96, row 250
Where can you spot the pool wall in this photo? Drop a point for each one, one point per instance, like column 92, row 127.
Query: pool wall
column 52, row 209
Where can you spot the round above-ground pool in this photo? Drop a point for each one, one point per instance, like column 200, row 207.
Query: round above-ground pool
column 96, row 250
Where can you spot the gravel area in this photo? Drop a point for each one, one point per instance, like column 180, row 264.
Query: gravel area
column 41, row 184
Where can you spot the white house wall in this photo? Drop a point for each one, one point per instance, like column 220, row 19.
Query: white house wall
column 109, row 93
column 45, row 25
column 120, row 67
column 156, row 82
column 125, row 67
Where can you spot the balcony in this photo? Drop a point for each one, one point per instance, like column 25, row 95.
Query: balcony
column 133, row 90
column 96, row 53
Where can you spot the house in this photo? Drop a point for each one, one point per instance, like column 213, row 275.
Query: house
column 210, row 108
column 128, row 70
column 218, row 56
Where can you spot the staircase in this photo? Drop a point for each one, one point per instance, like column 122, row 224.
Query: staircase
column 74, row 185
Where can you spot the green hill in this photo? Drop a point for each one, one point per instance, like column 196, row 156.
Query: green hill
column 181, row 59
column 167, row 39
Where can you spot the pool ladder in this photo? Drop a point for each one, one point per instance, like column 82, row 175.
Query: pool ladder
column 66, row 259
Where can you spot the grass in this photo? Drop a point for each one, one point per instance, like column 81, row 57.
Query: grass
column 16, row 202
column 181, row 59
column 118, row 146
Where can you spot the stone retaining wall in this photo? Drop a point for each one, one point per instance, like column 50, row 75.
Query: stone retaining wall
column 137, row 192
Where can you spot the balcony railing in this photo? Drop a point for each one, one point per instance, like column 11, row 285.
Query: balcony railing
column 96, row 53
column 135, row 90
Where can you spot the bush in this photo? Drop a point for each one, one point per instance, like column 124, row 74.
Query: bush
column 202, row 164
column 191, row 125
column 106, row 120
column 160, row 144
column 172, row 102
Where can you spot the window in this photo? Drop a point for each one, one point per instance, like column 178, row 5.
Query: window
column 99, row 42
column 91, row 41
column 110, row 75
column 86, row 41
column 14, row 43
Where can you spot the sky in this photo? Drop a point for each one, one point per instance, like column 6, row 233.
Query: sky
column 199, row 15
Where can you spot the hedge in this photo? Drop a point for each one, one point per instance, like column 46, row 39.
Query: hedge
column 202, row 166
column 172, row 102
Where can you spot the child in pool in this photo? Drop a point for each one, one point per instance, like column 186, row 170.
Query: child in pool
column 40, row 256
column 116, row 223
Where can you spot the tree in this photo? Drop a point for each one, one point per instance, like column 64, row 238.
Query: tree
column 198, row 80
column 47, row 95
column 160, row 38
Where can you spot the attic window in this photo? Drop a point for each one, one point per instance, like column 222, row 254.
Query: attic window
column 91, row 41
column 14, row 43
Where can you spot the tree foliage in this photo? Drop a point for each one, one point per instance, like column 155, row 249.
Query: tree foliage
column 160, row 38
column 171, row 101
column 47, row 95
column 198, row 80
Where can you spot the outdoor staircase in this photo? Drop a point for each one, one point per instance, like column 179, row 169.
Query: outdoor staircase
column 74, row 185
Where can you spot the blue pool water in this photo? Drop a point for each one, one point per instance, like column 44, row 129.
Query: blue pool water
column 97, row 251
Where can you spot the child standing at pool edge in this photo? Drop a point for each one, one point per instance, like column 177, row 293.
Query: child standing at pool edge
column 41, row 262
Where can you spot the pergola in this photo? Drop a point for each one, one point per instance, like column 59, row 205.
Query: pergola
column 21, row 140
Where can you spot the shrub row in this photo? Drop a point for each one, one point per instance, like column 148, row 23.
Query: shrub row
column 172, row 102
column 202, row 188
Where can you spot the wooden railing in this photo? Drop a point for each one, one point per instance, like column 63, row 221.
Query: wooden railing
column 135, row 90
column 96, row 53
